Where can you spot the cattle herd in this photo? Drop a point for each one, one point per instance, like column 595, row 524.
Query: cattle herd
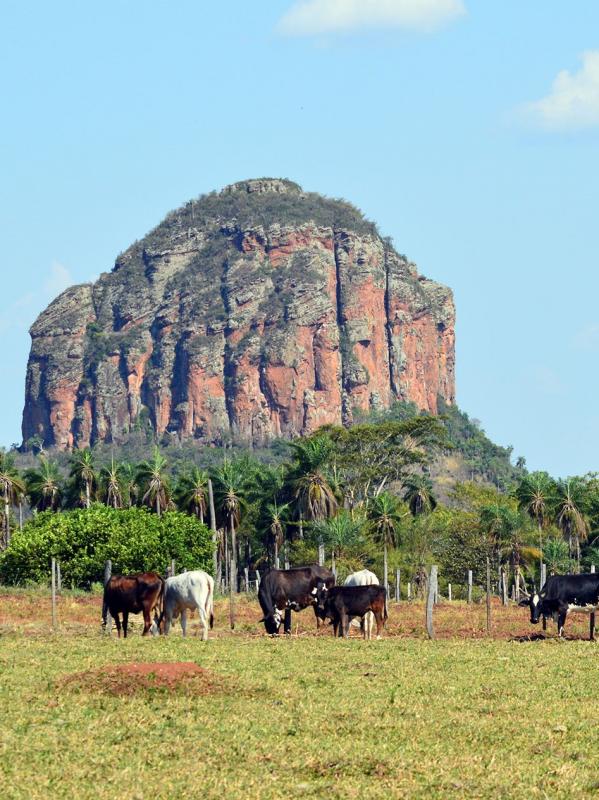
column 361, row 601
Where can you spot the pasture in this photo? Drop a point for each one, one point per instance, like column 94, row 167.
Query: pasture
column 248, row 716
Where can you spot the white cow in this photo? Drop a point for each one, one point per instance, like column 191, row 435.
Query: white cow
column 363, row 577
column 189, row 590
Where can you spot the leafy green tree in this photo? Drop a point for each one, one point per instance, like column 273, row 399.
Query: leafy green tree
column 342, row 533
column 154, row 483
column 44, row 485
column 419, row 494
column 385, row 514
column 83, row 474
column 556, row 556
column 310, row 480
column 230, row 486
column 277, row 519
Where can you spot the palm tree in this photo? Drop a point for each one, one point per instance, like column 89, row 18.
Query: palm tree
column 191, row 493
column 385, row 514
column 309, row 479
column 44, row 485
column 535, row 495
column 129, row 483
column 83, row 473
column 341, row 532
column 12, row 488
column 111, row 485
column 276, row 526
column 419, row 494
column 230, row 487
column 151, row 477
column 570, row 514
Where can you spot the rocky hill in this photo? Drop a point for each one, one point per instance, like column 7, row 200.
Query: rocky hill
column 256, row 312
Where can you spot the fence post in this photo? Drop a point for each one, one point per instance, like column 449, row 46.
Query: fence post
column 449, row 597
column 430, row 599
column 321, row 555
column 173, row 569
column 286, row 555
column 488, row 596
column 232, row 580
column 409, row 591
column 246, row 575
column 54, row 619
column 504, row 595
column 107, row 577
column 385, row 571
column 592, row 568
column 543, row 575
column 257, row 580
column 397, row 585
column 469, row 586
column 58, row 578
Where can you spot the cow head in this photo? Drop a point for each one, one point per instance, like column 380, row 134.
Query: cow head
column 272, row 622
column 321, row 594
column 535, row 603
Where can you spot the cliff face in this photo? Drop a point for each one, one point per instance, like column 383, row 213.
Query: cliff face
column 257, row 312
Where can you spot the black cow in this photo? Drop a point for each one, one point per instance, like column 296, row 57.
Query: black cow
column 130, row 594
column 291, row 590
column 562, row 594
column 341, row 603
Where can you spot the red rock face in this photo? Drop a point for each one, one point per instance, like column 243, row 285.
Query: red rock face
column 257, row 313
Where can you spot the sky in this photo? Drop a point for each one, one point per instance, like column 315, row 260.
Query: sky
column 468, row 130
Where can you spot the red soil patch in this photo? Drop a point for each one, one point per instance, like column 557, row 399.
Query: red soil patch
column 128, row 679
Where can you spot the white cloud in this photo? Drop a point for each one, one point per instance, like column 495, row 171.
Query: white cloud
column 23, row 310
column 573, row 103
column 58, row 280
column 587, row 338
column 310, row 17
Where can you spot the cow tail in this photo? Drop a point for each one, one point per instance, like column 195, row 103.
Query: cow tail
column 160, row 603
column 210, row 603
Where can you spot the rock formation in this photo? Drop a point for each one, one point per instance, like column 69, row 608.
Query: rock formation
column 257, row 312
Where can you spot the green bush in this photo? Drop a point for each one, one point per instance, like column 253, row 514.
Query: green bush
column 82, row 540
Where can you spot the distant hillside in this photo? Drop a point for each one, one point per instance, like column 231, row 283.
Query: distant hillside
column 258, row 312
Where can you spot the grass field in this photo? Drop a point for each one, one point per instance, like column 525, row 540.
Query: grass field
column 305, row 716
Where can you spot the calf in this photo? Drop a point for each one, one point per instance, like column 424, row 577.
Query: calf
column 341, row 603
column 363, row 577
column 562, row 594
column 291, row 590
column 130, row 594
column 189, row 590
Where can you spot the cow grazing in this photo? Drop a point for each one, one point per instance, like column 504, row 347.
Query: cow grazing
column 341, row 603
column 287, row 590
column 130, row 594
column 188, row 591
column 562, row 594
column 363, row 577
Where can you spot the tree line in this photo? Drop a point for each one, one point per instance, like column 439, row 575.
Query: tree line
column 363, row 493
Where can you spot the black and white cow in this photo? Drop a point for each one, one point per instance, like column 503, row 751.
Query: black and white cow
column 287, row 590
column 562, row 594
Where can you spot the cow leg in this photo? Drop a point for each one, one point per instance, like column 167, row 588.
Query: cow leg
column 203, row 623
column 317, row 618
column 380, row 623
column 125, row 623
column 287, row 623
column 344, row 625
column 167, row 622
column 184, row 621
column 117, row 621
column 147, row 615
column 592, row 627
column 544, row 622
column 561, row 621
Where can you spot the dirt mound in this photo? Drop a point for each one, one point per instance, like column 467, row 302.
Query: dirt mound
column 129, row 679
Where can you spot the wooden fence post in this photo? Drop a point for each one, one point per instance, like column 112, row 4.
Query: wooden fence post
column 397, row 585
column 107, row 577
column 409, row 591
column 321, row 555
column 54, row 617
column 286, row 555
column 449, row 598
column 430, row 599
column 58, row 578
column 543, row 575
column 246, row 576
column 592, row 568
column 504, row 595
column 385, row 572
column 232, row 580
column 469, row 586
column 257, row 580
column 488, row 595
column 173, row 568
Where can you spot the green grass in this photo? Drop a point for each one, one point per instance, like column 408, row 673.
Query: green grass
column 305, row 717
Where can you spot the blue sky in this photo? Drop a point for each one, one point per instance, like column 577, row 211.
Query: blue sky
column 468, row 130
